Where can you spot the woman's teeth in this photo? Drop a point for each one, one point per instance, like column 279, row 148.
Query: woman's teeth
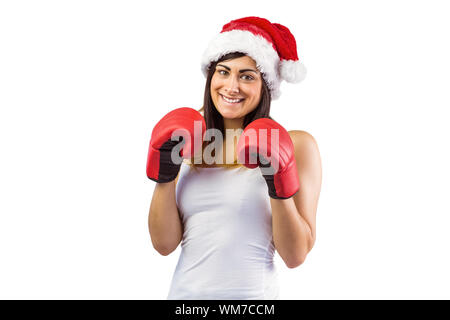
column 231, row 100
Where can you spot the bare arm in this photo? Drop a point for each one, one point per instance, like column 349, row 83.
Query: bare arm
column 164, row 223
column 294, row 219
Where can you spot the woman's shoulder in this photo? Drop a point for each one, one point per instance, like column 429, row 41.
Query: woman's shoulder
column 301, row 137
column 304, row 143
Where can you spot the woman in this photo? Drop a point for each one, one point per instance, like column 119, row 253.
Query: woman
column 229, row 215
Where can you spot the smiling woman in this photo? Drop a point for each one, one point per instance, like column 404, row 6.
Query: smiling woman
column 230, row 219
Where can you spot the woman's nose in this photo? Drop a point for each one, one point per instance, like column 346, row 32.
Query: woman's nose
column 232, row 85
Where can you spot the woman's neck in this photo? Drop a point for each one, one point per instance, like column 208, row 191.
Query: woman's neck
column 229, row 148
column 233, row 123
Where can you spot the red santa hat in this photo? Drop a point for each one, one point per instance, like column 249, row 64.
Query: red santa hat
column 271, row 45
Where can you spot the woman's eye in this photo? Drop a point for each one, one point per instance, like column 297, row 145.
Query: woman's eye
column 247, row 77
column 222, row 72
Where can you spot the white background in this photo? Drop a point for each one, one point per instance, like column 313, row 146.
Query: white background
column 82, row 83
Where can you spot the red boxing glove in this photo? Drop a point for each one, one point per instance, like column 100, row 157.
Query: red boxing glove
column 266, row 144
column 188, row 124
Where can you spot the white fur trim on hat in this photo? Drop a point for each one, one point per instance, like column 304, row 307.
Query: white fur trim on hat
column 255, row 46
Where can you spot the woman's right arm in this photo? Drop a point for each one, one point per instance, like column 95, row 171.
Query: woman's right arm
column 164, row 223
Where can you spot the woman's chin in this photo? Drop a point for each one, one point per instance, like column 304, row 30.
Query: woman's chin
column 228, row 114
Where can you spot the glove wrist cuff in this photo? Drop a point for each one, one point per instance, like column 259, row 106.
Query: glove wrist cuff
column 284, row 184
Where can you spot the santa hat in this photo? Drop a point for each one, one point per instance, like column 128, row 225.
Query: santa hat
column 271, row 45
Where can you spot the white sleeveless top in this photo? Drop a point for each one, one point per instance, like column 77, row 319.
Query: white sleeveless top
column 227, row 251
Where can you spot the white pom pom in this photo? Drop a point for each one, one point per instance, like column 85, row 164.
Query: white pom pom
column 292, row 71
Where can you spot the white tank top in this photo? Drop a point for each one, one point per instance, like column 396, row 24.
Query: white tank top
column 227, row 250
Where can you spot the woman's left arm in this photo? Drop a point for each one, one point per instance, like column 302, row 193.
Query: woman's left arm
column 294, row 219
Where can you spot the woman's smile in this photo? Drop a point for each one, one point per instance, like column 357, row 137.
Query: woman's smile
column 232, row 101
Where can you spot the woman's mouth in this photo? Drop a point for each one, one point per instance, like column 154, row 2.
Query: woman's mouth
column 231, row 101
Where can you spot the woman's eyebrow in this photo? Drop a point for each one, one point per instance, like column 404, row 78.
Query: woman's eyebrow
column 242, row 70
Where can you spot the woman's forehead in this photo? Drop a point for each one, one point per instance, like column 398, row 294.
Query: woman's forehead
column 244, row 61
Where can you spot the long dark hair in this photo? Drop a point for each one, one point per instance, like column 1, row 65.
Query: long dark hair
column 213, row 118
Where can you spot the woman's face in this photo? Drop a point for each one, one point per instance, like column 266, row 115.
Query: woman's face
column 236, row 87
